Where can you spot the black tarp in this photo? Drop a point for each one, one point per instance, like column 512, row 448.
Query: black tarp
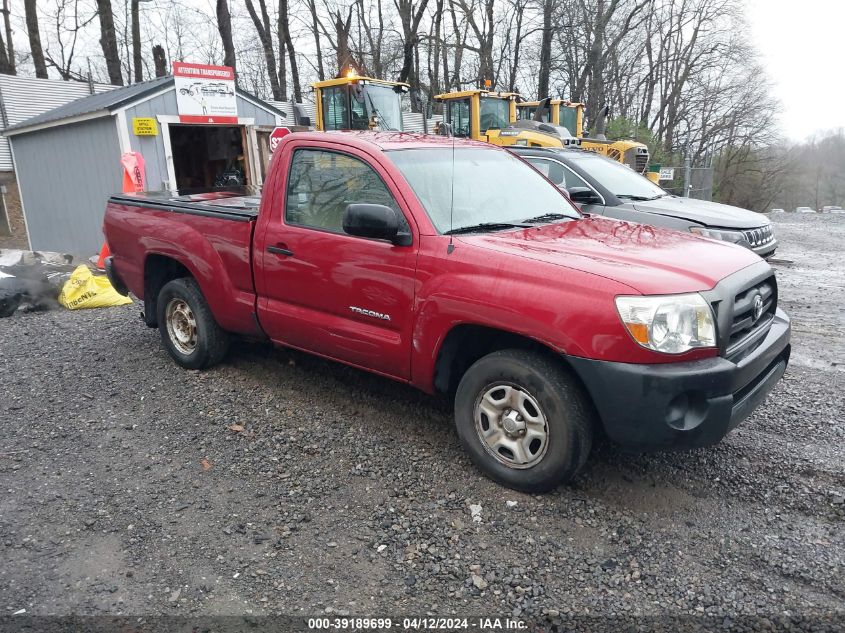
column 31, row 280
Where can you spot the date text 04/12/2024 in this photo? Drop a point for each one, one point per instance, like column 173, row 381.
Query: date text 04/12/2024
column 417, row 624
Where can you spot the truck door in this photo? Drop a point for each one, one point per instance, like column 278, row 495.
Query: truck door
column 327, row 292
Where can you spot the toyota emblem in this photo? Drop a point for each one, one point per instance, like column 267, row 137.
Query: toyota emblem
column 758, row 308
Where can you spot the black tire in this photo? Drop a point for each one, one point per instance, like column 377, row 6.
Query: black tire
column 209, row 343
column 561, row 400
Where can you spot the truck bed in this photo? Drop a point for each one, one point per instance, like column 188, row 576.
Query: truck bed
column 209, row 232
column 235, row 203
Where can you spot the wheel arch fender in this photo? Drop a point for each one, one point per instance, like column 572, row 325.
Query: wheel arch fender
column 164, row 261
column 466, row 342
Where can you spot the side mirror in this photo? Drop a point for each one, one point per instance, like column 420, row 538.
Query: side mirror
column 583, row 195
column 375, row 221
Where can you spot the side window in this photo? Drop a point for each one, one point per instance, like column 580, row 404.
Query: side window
column 360, row 120
column 573, row 179
column 550, row 169
column 459, row 117
column 559, row 174
column 321, row 184
column 335, row 110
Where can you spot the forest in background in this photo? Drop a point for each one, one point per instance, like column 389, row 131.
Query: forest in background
column 679, row 75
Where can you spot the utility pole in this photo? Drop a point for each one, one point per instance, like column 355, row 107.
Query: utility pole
column 687, row 176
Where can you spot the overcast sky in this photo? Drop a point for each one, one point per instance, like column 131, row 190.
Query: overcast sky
column 802, row 46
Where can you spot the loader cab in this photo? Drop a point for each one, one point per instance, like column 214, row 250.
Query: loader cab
column 569, row 114
column 353, row 102
column 483, row 115
column 472, row 113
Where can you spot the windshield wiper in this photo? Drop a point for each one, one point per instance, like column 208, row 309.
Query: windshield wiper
column 488, row 226
column 630, row 196
column 548, row 217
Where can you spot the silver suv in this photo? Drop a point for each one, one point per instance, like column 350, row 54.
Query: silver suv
column 606, row 187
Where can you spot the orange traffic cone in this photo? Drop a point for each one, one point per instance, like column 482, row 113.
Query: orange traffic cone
column 104, row 252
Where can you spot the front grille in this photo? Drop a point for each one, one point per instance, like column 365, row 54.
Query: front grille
column 642, row 163
column 760, row 236
column 746, row 327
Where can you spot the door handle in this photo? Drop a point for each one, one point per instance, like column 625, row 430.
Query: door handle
column 278, row 250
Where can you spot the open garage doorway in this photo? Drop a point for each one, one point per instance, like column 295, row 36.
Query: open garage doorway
column 209, row 156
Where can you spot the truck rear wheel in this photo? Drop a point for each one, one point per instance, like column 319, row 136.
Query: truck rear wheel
column 523, row 420
column 188, row 330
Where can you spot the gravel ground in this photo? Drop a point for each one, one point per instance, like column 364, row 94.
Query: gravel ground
column 282, row 484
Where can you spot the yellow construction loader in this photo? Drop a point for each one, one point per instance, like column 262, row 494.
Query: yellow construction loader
column 570, row 114
column 352, row 102
column 484, row 115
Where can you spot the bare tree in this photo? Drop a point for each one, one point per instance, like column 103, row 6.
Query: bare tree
column 545, row 49
column 224, row 27
column 61, row 49
column 479, row 15
column 35, row 39
column 7, row 47
column 459, row 32
column 159, row 60
column 265, row 35
column 343, row 53
column 108, row 42
column 410, row 17
column 374, row 31
column 521, row 24
column 435, row 47
column 315, row 30
column 283, row 71
column 285, row 36
column 601, row 44
column 137, row 63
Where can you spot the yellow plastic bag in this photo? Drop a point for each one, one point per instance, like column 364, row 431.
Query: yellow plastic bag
column 84, row 290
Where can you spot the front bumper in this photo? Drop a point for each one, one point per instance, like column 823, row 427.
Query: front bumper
column 766, row 250
column 684, row 405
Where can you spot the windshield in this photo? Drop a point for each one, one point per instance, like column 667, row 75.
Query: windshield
column 382, row 101
column 619, row 179
column 526, row 113
column 491, row 186
column 495, row 113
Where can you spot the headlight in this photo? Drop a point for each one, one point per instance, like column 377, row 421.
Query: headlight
column 735, row 237
column 670, row 324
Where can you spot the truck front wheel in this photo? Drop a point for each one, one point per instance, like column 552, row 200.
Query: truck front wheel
column 523, row 420
column 188, row 329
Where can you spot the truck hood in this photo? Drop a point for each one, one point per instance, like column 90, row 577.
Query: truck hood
column 703, row 212
column 647, row 259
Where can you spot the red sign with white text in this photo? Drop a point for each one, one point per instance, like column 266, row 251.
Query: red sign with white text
column 205, row 94
column 277, row 135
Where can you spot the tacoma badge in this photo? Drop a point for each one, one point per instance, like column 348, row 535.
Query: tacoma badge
column 370, row 313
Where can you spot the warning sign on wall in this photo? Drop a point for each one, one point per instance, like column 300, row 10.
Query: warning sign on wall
column 205, row 94
column 144, row 126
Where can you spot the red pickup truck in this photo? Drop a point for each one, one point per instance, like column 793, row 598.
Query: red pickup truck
column 458, row 268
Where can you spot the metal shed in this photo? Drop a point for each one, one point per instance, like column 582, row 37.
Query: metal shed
column 68, row 159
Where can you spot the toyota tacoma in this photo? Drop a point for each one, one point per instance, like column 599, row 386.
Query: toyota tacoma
column 456, row 267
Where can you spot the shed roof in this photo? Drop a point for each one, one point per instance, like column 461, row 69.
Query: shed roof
column 105, row 103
